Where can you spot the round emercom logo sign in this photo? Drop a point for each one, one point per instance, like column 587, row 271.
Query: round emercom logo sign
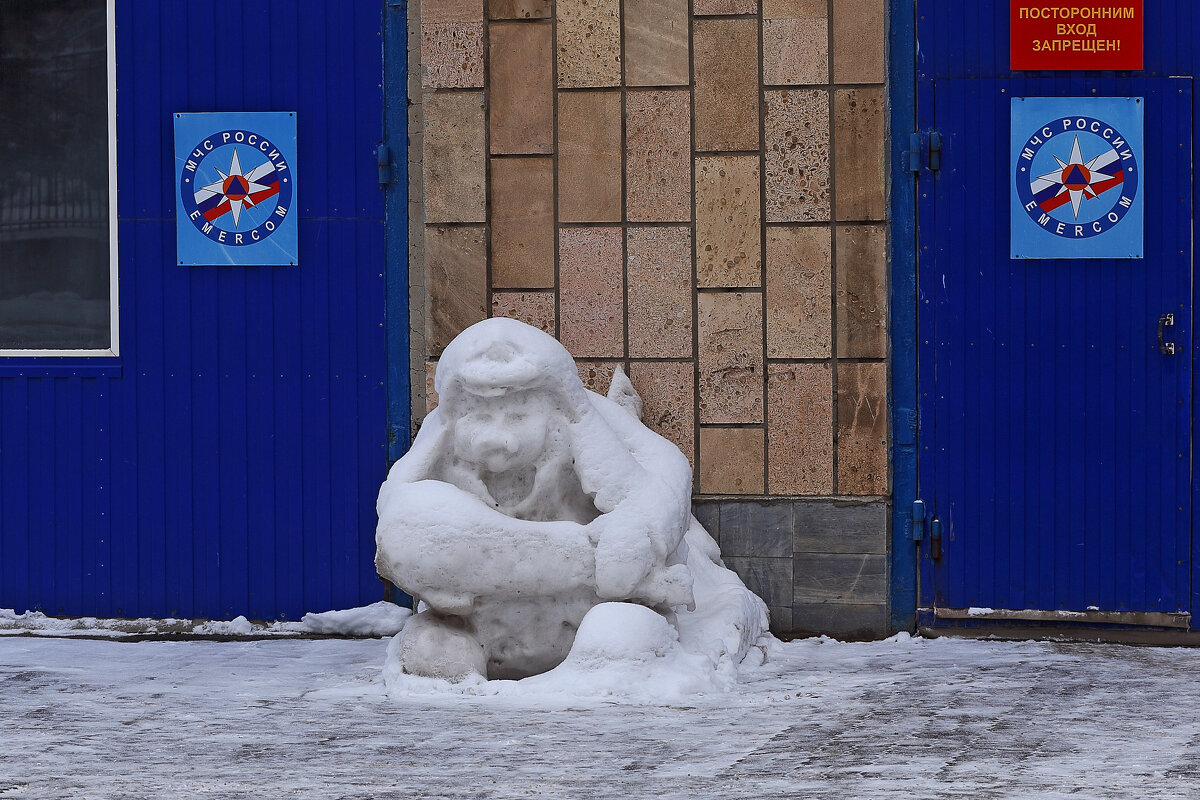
column 1076, row 173
column 236, row 188
column 235, row 184
column 1077, row 177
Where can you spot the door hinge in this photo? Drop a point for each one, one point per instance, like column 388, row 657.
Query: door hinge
column 383, row 160
column 935, row 539
column 924, row 150
column 918, row 520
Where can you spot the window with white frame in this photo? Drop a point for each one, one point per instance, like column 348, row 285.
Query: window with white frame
column 57, row 178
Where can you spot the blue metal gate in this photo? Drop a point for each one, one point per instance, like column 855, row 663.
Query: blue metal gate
column 227, row 461
column 1055, row 436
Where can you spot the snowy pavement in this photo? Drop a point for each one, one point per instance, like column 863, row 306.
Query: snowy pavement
column 906, row 718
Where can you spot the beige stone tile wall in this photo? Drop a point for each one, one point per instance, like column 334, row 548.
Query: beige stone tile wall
column 695, row 192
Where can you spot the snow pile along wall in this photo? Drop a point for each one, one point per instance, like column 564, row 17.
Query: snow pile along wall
column 546, row 530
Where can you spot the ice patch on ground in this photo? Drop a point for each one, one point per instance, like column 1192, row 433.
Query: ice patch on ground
column 822, row 720
column 238, row 626
column 378, row 619
column 38, row 624
column 374, row 620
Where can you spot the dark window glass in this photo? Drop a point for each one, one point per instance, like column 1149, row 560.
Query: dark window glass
column 54, row 255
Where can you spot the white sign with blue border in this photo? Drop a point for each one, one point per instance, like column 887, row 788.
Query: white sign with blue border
column 1077, row 177
column 235, row 176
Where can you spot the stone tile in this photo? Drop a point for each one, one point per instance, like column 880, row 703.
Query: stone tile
column 752, row 528
column 702, row 8
column 798, row 305
column 840, row 578
column 656, row 43
column 668, row 393
column 730, row 357
column 522, row 195
column 452, row 55
column 800, row 429
column 589, row 42
column 590, row 303
column 521, row 100
column 726, row 73
column 532, row 308
column 589, row 156
column 455, row 282
column 728, row 221
column 731, row 461
column 840, row 526
column 520, row 9
column 861, row 291
column 431, row 395
column 596, row 375
column 862, row 453
column 843, row 621
column 769, row 578
column 860, row 120
column 797, row 155
column 455, row 163
column 660, row 292
column 658, row 163
column 441, row 11
column 859, row 34
column 795, row 9
column 798, row 292
column 708, row 514
column 781, row 618
column 795, row 51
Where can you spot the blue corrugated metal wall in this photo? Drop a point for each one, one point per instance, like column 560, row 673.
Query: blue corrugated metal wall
column 227, row 462
column 1055, row 440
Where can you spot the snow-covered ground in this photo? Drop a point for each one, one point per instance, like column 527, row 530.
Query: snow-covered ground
column 905, row 718
column 377, row 619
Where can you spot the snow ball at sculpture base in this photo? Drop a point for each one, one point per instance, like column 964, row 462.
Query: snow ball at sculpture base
column 622, row 632
column 624, row 650
column 444, row 651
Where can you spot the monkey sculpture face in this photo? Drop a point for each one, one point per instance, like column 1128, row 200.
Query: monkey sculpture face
column 505, row 433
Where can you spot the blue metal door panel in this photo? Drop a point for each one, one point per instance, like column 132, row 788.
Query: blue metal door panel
column 1055, row 442
column 227, row 463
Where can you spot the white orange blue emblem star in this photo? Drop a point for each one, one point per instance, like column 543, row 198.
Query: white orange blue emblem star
column 236, row 188
column 1077, row 177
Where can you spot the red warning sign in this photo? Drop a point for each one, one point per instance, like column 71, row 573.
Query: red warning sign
column 1076, row 34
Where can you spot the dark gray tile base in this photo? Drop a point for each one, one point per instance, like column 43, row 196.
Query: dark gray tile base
column 839, row 526
column 757, row 529
column 769, row 578
column 709, row 515
column 840, row 578
column 781, row 618
column 840, row 620
column 821, row 566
